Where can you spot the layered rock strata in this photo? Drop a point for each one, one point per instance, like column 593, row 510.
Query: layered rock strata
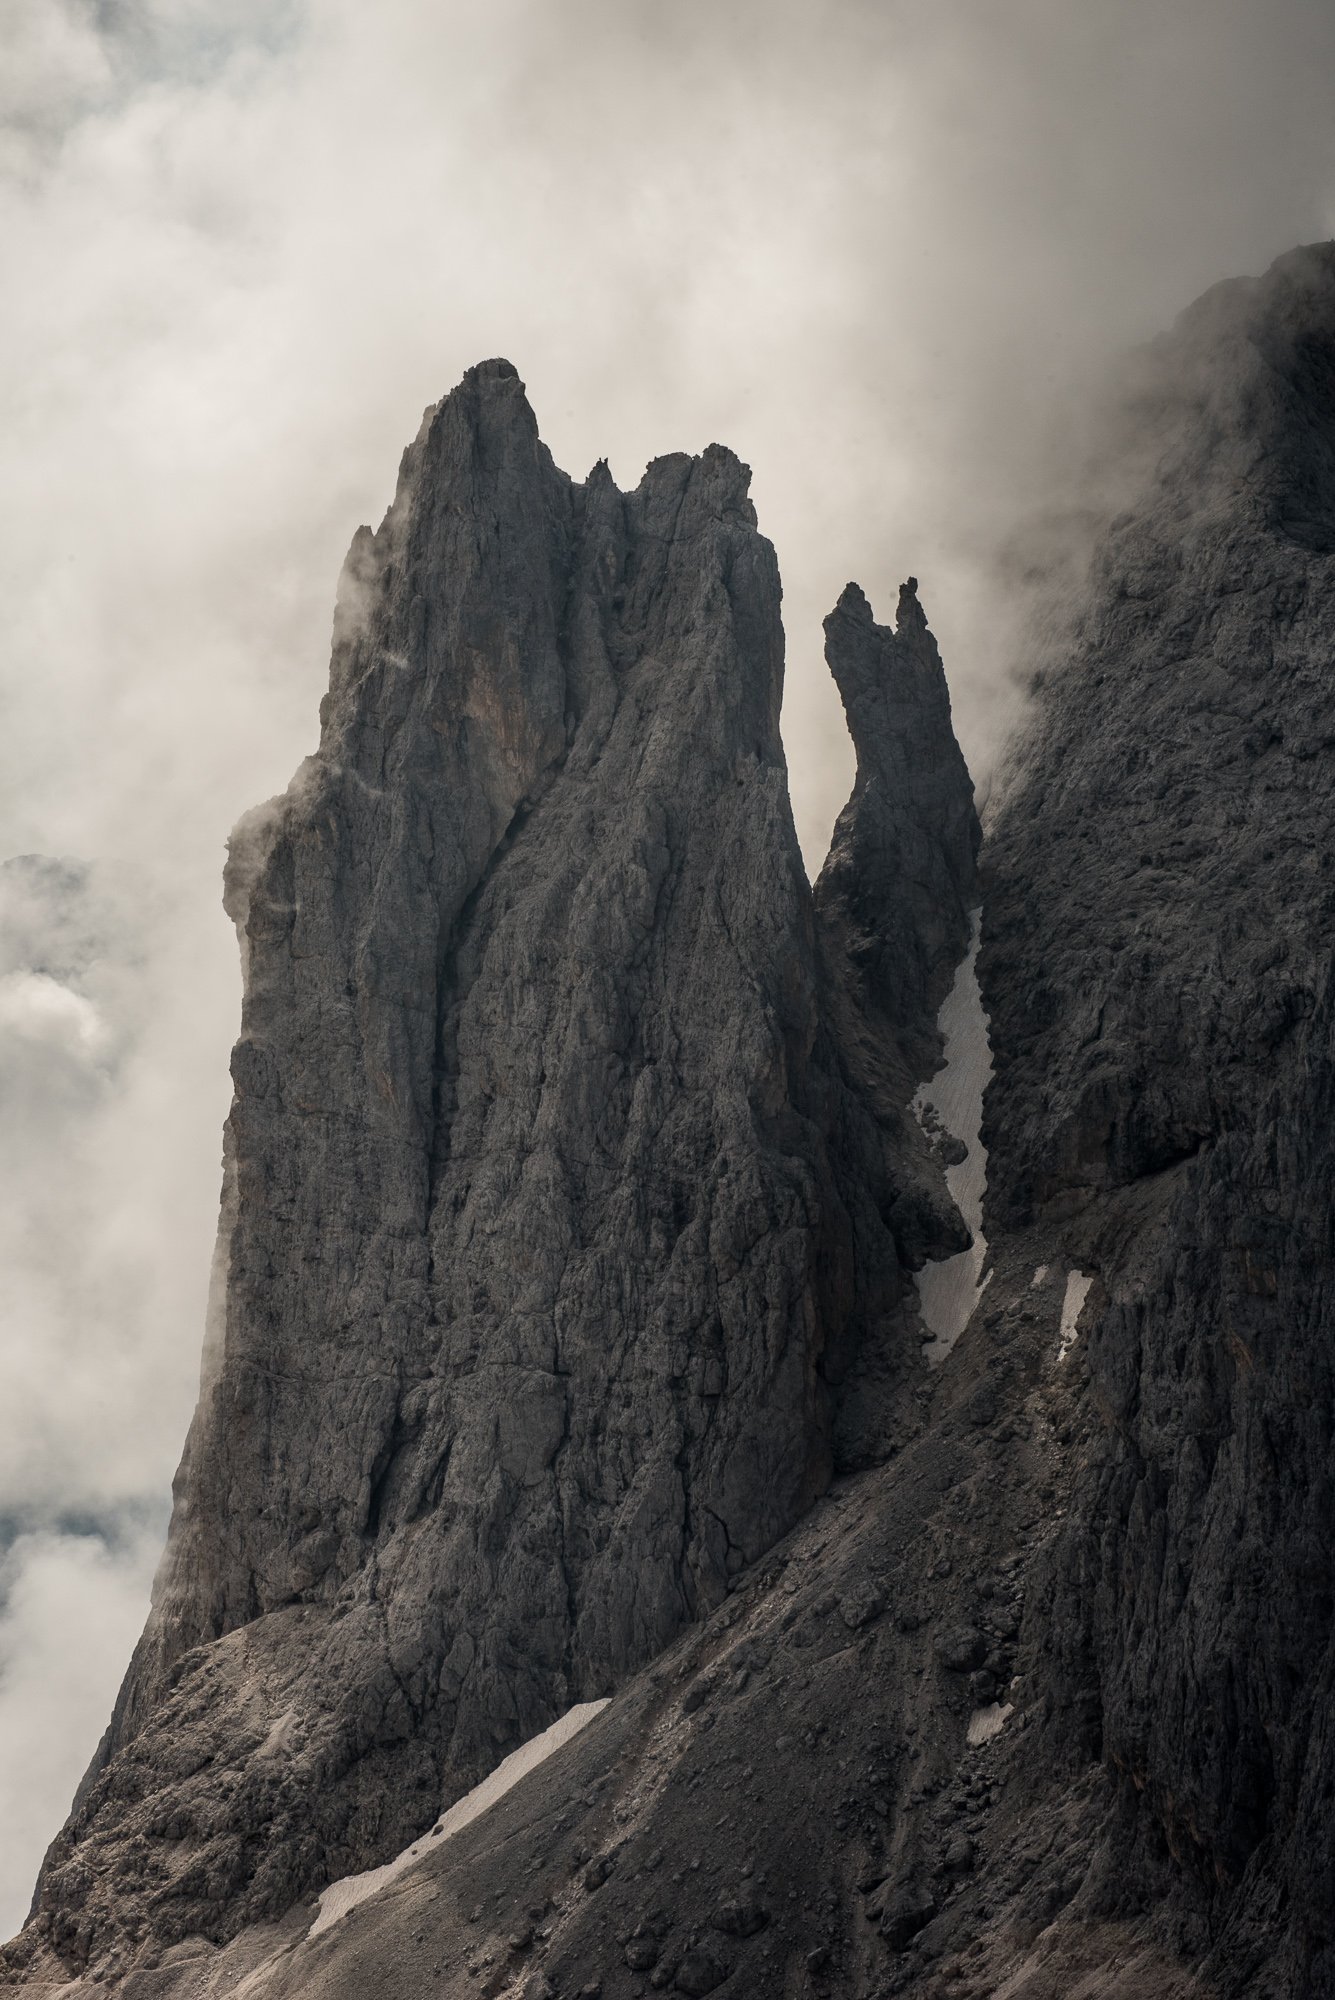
column 556, row 1221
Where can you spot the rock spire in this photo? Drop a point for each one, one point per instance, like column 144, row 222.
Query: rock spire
column 552, row 1222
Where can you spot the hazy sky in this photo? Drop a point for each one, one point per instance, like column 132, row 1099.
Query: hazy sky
column 879, row 249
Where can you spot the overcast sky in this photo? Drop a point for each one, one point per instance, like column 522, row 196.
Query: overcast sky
column 880, row 249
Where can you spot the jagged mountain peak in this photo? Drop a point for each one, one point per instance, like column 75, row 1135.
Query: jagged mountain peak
column 909, row 836
column 554, row 1227
column 567, row 1345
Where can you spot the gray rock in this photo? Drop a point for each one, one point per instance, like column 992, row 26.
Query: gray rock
column 741, row 1916
column 983, row 1405
column 641, row 1952
column 961, row 1648
column 909, row 1910
column 1149, row 1801
column 902, row 861
column 569, row 1181
column 959, row 1855
column 1158, row 941
column 699, row 1973
column 862, row 1606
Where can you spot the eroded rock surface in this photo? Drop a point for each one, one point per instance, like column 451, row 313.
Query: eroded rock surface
column 1162, row 1017
column 1040, row 1706
column 555, row 1220
column 899, row 881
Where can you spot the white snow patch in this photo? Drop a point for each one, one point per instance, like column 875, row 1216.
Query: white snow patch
column 1038, row 1277
column 985, row 1723
column 1077, row 1291
column 948, row 1291
column 340, row 1897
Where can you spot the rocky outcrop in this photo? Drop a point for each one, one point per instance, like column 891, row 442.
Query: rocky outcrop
column 554, row 1223
column 1158, row 944
column 893, row 908
column 899, row 882
column 1038, row 1703
column 1053, row 1684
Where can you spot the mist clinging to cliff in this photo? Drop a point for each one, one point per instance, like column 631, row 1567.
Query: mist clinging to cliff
column 881, row 251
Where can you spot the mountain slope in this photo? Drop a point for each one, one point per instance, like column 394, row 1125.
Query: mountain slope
column 1033, row 1700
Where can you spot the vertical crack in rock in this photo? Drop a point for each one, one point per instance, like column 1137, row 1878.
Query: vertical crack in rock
column 569, row 1174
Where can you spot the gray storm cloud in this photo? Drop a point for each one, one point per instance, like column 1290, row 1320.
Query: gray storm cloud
column 883, row 251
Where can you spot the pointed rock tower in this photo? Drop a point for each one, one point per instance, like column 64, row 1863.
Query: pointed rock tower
column 550, row 1222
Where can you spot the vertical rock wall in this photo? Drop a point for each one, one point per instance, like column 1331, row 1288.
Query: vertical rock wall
column 554, row 1218
column 1158, row 942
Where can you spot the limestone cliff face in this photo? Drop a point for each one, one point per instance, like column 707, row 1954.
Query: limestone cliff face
column 554, row 1224
column 1159, row 933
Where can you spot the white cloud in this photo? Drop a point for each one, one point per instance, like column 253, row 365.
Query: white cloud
column 71, row 1608
column 53, row 68
column 39, row 1016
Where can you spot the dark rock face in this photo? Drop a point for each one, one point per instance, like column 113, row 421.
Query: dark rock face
column 1040, row 1704
column 1084, row 1744
column 901, row 866
column 899, row 881
column 554, row 1218
column 1162, row 1026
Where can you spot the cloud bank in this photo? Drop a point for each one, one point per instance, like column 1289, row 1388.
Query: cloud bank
column 881, row 250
